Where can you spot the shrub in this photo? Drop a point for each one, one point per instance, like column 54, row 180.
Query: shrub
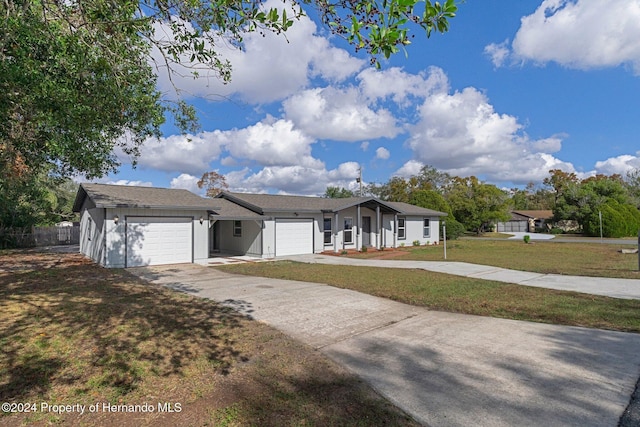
column 416, row 243
column 364, row 248
column 455, row 229
column 618, row 220
column 526, row 238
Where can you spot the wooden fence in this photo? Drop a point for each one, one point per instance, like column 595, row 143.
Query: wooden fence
column 38, row 236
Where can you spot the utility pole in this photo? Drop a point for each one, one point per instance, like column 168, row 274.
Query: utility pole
column 359, row 178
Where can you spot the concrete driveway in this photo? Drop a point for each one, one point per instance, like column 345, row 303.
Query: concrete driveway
column 443, row 369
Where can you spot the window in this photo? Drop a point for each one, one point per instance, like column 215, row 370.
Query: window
column 327, row 231
column 426, row 228
column 237, row 228
column 348, row 230
column 401, row 229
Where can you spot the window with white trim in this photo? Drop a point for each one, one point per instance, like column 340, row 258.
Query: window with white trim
column 237, row 228
column 401, row 229
column 348, row 230
column 426, row 227
column 327, row 231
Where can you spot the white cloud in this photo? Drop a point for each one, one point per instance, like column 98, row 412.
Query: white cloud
column 398, row 85
column 618, row 165
column 462, row 134
column 183, row 153
column 293, row 179
column 339, row 114
column 269, row 143
column 272, row 144
column 364, row 146
column 186, row 182
column 268, row 68
column 130, row 183
column 549, row 145
column 579, row 34
column 382, row 153
column 410, row 168
column 498, row 52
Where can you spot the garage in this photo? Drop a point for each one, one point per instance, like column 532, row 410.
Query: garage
column 159, row 240
column 294, row 236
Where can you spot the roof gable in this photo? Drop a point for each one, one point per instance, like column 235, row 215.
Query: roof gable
column 535, row 214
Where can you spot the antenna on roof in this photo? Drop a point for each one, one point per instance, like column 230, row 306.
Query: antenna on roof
column 359, row 178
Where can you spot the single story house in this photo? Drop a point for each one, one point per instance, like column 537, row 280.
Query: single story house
column 527, row 221
column 126, row 226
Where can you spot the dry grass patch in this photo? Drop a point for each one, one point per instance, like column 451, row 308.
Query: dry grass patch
column 75, row 333
column 462, row 295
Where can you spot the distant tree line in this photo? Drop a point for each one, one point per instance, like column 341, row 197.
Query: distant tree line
column 473, row 205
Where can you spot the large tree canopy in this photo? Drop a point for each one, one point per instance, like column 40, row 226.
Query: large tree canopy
column 77, row 82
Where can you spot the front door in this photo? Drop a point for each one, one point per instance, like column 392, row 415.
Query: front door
column 366, row 231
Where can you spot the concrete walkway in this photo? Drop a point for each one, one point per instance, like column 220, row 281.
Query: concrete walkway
column 617, row 288
column 443, row 369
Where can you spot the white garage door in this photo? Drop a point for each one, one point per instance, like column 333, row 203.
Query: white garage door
column 158, row 240
column 294, row 236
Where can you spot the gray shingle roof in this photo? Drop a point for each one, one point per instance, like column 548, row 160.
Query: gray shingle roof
column 113, row 196
column 408, row 209
column 229, row 205
column 225, row 209
column 279, row 203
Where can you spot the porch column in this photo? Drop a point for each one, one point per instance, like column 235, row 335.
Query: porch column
column 358, row 227
column 335, row 234
column 395, row 230
column 378, row 228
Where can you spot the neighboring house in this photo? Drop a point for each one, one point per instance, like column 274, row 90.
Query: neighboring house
column 124, row 226
column 526, row 221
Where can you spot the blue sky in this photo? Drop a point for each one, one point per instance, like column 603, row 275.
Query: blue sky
column 514, row 89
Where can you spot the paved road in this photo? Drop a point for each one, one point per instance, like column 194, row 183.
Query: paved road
column 617, row 288
column 443, row 369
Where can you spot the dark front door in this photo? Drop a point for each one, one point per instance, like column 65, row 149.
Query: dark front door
column 366, row 231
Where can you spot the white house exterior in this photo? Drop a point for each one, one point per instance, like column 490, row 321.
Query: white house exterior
column 124, row 226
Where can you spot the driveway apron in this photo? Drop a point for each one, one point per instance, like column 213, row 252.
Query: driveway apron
column 443, row 369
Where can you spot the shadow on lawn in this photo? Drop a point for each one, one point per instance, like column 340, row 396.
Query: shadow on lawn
column 74, row 323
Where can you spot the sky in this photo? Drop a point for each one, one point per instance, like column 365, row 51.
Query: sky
column 513, row 90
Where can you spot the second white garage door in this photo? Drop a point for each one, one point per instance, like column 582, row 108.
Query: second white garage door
column 159, row 240
column 294, row 236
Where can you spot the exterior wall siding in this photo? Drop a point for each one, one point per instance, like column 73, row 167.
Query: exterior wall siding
column 413, row 231
column 92, row 233
column 115, row 243
column 249, row 242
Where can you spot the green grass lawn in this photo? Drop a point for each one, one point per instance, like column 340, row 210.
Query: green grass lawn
column 462, row 295
column 576, row 259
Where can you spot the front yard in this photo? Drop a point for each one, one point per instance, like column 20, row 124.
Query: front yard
column 481, row 297
column 576, row 259
column 73, row 333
